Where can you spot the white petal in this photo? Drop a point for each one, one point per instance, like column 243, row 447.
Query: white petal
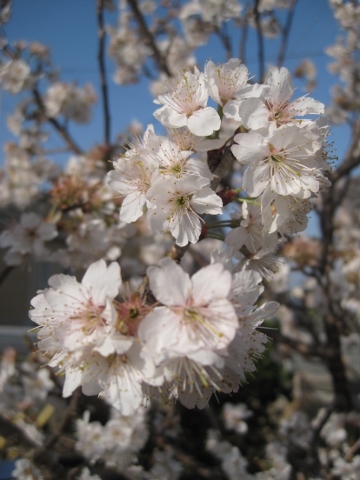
column 102, row 282
column 256, row 178
column 211, row 282
column 73, row 379
column 170, row 118
column 132, row 207
column 159, row 332
column 280, row 81
column 204, row 122
column 169, row 283
column 249, row 147
column 307, row 106
column 206, row 201
column 254, row 114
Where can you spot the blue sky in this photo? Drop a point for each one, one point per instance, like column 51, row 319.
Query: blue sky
column 69, row 28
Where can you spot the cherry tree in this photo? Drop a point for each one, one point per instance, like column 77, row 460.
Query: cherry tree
column 180, row 242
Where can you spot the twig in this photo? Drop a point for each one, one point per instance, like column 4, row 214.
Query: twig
column 60, row 129
column 159, row 59
column 285, row 34
column 318, row 426
column 101, row 60
column 54, row 151
column 353, row 449
column 68, row 416
column 260, row 41
column 303, row 348
column 4, row 274
column 243, row 39
column 225, row 40
column 220, row 170
column 332, row 198
column 10, row 428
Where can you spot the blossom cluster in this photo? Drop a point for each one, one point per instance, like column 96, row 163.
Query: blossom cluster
column 176, row 336
column 197, row 337
column 283, row 156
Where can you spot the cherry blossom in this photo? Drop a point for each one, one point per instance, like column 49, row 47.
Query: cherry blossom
column 186, row 105
column 196, row 314
column 284, row 159
column 27, row 238
column 80, row 314
column 71, row 101
column 15, row 76
column 274, row 105
column 176, row 206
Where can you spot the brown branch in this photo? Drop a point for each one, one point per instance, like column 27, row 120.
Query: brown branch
column 304, row 349
column 149, row 38
column 317, row 427
column 9, row 428
column 225, row 40
column 60, row 129
column 352, row 451
column 220, row 170
column 68, row 416
column 335, row 365
column 4, row 274
column 346, row 167
column 330, row 354
column 65, row 135
column 285, row 34
column 333, row 196
column 101, row 60
column 351, row 160
column 243, row 39
column 260, row 42
column 55, row 123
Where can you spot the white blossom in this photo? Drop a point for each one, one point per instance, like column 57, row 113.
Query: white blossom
column 186, row 105
column 176, row 206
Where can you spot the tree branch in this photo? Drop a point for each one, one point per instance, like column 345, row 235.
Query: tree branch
column 285, row 34
column 55, row 123
column 67, row 418
column 304, row 349
column 243, row 39
column 225, row 40
column 149, row 38
column 101, row 60
column 221, row 168
column 333, row 196
column 4, row 274
column 260, row 42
